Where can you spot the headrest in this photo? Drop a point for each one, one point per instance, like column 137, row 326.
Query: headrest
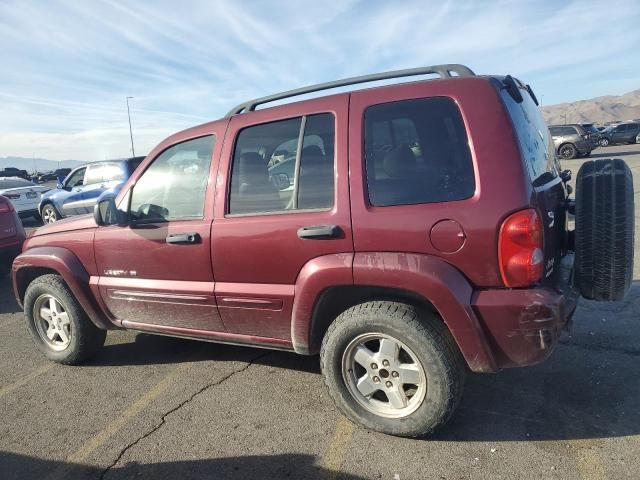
column 400, row 162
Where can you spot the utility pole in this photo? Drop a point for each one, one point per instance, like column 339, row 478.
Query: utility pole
column 133, row 152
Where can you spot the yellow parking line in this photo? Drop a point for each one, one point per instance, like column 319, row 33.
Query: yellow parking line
column 588, row 459
column 102, row 436
column 341, row 439
column 26, row 379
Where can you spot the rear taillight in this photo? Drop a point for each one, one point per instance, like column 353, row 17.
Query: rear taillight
column 520, row 249
column 6, row 207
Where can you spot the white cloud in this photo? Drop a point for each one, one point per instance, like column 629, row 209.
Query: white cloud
column 68, row 65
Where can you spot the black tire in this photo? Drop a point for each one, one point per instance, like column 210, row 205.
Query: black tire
column 85, row 338
column 568, row 151
column 49, row 214
column 426, row 336
column 604, row 236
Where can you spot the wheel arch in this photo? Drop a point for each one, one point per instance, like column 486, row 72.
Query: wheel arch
column 60, row 261
column 421, row 280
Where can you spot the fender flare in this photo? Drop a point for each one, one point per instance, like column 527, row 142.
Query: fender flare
column 69, row 267
column 441, row 284
column 426, row 276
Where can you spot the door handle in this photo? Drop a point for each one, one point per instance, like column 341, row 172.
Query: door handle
column 320, row 232
column 184, row 238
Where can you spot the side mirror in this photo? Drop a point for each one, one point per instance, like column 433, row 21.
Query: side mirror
column 565, row 175
column 59, row 185
column 106, row 213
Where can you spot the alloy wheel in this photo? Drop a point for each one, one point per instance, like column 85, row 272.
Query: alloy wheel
column 52, row 322
column 384, row 375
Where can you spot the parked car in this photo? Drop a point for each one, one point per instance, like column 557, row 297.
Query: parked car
column 79, row 191
column 423, row 233
column 23, row 194
column 623, row 133
column 58, row 174
column 15, row 172
column 572, row 141
column 11, row 234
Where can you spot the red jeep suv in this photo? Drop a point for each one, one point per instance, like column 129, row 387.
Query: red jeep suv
column 408, row 233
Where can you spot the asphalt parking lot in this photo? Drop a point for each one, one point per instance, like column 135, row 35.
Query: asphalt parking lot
column 156, row 407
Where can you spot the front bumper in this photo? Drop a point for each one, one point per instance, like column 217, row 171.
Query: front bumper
column 524, row 325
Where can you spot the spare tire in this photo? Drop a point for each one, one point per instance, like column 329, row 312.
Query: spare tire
column 604, row 233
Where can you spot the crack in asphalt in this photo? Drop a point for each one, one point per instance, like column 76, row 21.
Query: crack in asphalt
column 602, row 348
column 163, row 419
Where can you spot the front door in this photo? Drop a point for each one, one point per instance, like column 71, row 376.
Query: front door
column 155, row 273
column 74, row 185
column 287, row 203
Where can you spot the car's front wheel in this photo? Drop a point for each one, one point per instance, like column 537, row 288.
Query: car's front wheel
column 49, row 214
column 604, row 142
column 58, row 325
column 392, row 368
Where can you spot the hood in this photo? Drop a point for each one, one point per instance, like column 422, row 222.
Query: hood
column 81, row 222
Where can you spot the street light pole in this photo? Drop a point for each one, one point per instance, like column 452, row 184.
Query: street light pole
column 133, row 152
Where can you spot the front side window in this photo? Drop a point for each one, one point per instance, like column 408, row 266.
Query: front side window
column 173, row 187
column 284, row 166
column 416, row 151
column 76, row 179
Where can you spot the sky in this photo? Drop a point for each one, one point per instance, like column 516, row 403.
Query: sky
column 68, row 65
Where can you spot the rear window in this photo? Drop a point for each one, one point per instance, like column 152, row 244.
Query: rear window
column 417, row 151
column 536, row 145
column 6, row 183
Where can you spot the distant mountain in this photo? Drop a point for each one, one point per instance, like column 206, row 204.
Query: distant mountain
column 597, row 110
column 42, row 164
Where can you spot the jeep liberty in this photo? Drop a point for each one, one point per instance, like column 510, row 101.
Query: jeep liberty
column 407, row 233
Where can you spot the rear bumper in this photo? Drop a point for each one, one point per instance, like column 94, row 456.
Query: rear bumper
column 28, row 213
column 524, row 325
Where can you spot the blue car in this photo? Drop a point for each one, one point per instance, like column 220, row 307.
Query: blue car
column 79, row 191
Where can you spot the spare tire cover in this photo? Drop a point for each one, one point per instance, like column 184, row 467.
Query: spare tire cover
column 604, row 235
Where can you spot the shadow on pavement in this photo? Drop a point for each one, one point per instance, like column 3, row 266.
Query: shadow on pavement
column 603, row 153
column 258, row 467
column 148, row 349
column 7, row 301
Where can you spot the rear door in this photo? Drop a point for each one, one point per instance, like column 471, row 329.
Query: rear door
column 538, row 154
column 284, row 169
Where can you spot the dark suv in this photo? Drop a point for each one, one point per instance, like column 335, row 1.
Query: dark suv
column 623, row 133
column 572, row 141
column 420, row 233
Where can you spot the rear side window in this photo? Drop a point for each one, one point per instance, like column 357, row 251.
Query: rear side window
column 536, row 145
column 417, row 151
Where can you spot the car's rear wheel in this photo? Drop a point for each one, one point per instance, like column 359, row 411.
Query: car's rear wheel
column 49, row 214
column 568, row 151
column 58, row 325
column 392, row 368
column 604, row 142
column 604, row 234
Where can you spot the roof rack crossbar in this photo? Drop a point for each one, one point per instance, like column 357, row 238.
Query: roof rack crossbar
column 445, row 71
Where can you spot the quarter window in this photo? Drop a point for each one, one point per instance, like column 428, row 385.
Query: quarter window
column 416, row 151
column 174, row 185
column 284, row 166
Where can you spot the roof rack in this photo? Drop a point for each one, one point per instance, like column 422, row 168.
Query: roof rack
column 445, row 71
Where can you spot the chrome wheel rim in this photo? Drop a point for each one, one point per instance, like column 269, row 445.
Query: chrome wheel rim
column 49, row 215
column 384, row 375
column 52, row 322
column 604, row 142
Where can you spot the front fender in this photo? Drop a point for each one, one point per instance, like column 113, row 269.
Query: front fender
column 439, row 283
column 69, row 267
